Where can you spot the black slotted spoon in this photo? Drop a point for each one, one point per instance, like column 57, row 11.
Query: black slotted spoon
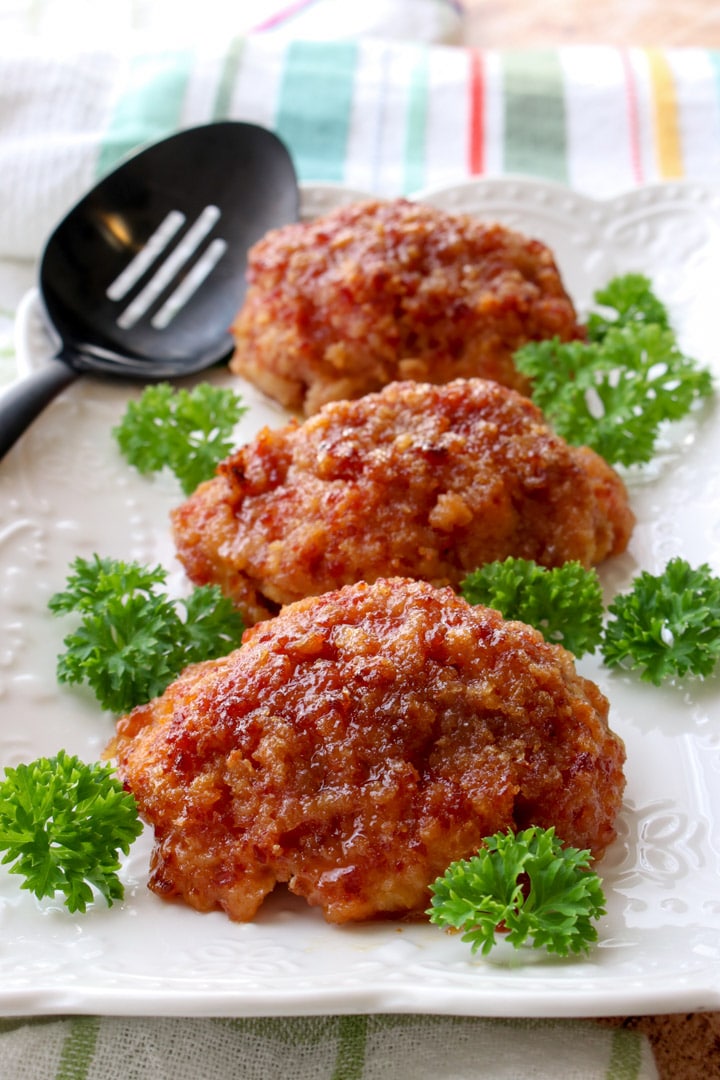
column 144, row 276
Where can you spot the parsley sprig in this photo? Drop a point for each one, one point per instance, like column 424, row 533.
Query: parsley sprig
column 564, row 602
column 665, row 626
column 627, row 300
column 187, row 431
column 133, row 639
column 615, row 392
column 529, row 885
column 62, row 825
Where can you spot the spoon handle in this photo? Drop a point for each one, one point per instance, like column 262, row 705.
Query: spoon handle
column 25, row 399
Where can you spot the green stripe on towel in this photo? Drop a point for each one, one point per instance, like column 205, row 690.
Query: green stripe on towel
column 79, row 1048
column 315, row 105
column 350, row 1063
column 625, row 1056
column 535, row 133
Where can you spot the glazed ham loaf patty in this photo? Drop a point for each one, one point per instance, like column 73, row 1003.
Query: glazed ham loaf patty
column 417, row 481
column 380, row 291
column 357, row 744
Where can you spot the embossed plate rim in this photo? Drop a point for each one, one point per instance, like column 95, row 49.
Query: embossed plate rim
column 659, row 948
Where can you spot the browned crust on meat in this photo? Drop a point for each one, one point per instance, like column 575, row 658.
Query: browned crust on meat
column 418, row 480
column 380, row 291
column 358, row 743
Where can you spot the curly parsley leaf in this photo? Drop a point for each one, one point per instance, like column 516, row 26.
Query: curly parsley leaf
column 564, row 602
column 527, row 884
column 94, row 582
column 667, row 624
column 187, row 431
column 132, row 639
column 628, row 300
column 62, row 824
column 615, row 392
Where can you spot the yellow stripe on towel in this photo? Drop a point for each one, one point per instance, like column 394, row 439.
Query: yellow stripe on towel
column 665, row 116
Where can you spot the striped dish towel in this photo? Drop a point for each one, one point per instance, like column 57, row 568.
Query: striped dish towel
column 384, row 116
column 320, row 1048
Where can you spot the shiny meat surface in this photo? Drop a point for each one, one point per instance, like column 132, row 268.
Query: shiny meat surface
column 358, row 743
column 381, row 291
column 416, row 481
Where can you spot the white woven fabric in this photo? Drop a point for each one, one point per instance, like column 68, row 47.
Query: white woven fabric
column 73, row 24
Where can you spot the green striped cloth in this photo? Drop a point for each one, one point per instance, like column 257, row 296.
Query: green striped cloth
column 320, row 1048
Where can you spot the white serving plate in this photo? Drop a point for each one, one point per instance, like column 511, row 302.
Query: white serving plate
column 65, row 491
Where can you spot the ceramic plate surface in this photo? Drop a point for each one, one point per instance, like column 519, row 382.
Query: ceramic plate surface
column 65, row 491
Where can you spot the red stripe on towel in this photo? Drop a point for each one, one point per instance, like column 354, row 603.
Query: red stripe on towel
column 476, row 133
column 281, row 16
column 633, row 117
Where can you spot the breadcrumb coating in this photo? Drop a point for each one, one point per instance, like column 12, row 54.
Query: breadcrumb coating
column 417, row 481
column 380, row 291
column 358, row 743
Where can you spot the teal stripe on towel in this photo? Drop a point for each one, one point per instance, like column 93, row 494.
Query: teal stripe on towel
column 415, row 142
column 714, row 57
column 315, row 106
column 150, row 106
